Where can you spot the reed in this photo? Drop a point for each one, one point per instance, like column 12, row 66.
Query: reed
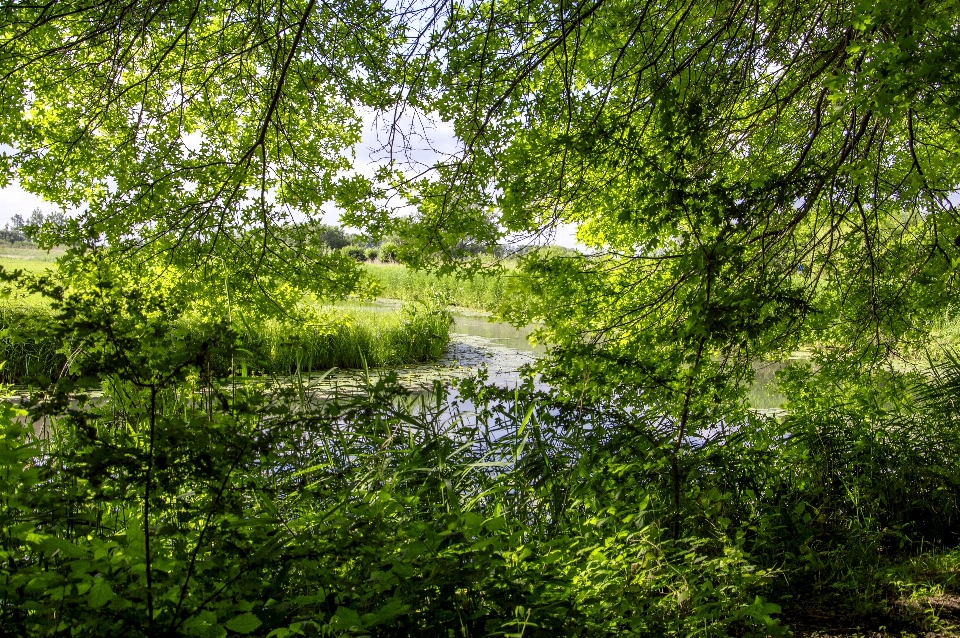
column 351, row 338
column 26, row 348
column 319, row 339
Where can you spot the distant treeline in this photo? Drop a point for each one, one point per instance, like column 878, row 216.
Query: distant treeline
column 20, row 230
column 387, row 249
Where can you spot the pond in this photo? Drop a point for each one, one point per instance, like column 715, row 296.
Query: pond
column 476, row 341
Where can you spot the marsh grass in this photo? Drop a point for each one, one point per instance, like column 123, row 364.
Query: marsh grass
column 315, row 340
column 483, row 292
column 26, row 349
column 343, row 338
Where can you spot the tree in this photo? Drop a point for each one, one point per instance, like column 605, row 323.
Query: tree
column 36, row 217
column 191, row 131
column 333, row 237
column 749, row 176
column 58, row 218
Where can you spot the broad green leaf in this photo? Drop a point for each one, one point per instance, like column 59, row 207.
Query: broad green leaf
column 100, row 594
column 244, row 623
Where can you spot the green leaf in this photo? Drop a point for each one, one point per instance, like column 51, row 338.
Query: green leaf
column 345, row 618
column 100, row 594
column 244, row 623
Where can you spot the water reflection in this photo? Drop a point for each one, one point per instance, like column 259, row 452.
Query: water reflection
column 476, row 341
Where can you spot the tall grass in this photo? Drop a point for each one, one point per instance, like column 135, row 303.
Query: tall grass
column 483, row 292
column 317, row 340
column 348, row 339
column 26, row 349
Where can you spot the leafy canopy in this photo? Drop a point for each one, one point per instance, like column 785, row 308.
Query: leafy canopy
column 195, row 130
column 748, row 176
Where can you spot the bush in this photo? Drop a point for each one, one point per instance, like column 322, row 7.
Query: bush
column 389, row 251
column 356, row 252
column 373, row 254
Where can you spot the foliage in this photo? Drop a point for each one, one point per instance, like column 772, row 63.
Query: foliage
column 230, row 119
column 179, row 503
column 27, row 351
column 332, row 236
column 359, row 253
column 389, row 251
column 13, row 237
column 747, row 178
column 37, row 351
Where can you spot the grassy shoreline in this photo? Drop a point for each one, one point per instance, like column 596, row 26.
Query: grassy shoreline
column 351, row 339
column 319, row 338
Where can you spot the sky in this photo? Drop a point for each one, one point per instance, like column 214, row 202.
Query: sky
column 14, row 199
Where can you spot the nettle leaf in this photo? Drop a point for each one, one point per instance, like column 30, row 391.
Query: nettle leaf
column 345, row 619
column 100, row 594
column 243, row 624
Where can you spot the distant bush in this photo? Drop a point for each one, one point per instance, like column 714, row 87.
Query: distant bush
column 333, row 237
column 389, row 251
column 13, row 237
column 373, row 254
column 357, row 252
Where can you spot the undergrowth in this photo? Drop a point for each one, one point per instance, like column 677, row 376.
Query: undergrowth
column 150, row 493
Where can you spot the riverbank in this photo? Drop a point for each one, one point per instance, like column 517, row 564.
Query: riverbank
column 318, row 340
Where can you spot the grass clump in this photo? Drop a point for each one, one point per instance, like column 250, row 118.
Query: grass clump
column 324, row 339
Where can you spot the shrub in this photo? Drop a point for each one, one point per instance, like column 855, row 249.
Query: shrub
column 389, row 251
column 356, row 252
column 373, row 254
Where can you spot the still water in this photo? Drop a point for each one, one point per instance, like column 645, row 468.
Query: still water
column 476, row 341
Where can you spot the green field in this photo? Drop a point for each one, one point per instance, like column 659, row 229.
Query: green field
column 482, row 292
